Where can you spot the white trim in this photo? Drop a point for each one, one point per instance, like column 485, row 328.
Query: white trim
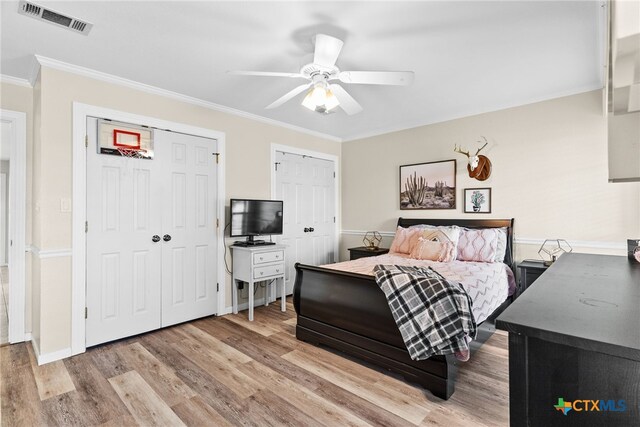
column 245, row 305
column 109, row 78
column 28, row 337
column 15, row 81
column 17, row 224
column 48, row 253
column 336, row 182
column 362, row 233
column 589, row 244
column 49, row 357
column 79, row 210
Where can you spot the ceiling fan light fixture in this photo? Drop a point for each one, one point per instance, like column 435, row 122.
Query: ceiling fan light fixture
column 320, row 99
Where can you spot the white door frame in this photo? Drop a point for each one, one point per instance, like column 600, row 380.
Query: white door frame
column 79, row 215
column 17, row 224
column 336, row 187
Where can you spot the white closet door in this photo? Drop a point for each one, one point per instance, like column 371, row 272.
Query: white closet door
column 306, row 186
column 189, row 191
column 123, row 263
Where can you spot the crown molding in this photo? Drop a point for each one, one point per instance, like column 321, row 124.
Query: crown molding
column 109, row 78
column 15, row 81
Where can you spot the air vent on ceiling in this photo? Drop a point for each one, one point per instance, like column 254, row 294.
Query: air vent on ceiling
column 39, row 12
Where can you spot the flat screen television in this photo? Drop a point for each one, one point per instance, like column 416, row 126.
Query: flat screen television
column 251, row 218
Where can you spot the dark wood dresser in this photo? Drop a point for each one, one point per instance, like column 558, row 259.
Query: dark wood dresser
column 574, row 343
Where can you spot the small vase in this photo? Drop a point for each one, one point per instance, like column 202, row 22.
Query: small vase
column 476, row 208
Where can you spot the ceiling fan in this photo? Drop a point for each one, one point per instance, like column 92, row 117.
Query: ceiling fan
column 322, row 95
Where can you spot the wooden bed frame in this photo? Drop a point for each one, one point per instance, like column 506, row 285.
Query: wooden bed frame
column 349, row 312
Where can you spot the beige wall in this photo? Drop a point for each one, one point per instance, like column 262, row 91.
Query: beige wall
column 20, row 98
column 549, row 173
column 247, row 170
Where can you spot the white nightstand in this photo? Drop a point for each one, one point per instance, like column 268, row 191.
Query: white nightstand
column 253, row 264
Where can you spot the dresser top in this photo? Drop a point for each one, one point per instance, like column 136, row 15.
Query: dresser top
column 586, row 301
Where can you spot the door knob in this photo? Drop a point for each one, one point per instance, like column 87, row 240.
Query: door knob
column 307, row 229
column 155, row 238
column 166, row 237
column 311, row 229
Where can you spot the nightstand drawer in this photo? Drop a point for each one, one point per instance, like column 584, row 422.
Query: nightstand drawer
column 363, row 252
column 267, row 271
column 264, row 257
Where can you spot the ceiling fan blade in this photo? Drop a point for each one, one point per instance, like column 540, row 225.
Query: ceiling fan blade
column 265, row 74
column 327, row 50
column 397, row 78
column 278, row 102
column 347, row 103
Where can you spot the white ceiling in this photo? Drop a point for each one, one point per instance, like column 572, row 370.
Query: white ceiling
column 468, row 57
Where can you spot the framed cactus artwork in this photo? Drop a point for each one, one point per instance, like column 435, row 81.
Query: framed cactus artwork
column 428, row 185
column 477, row 200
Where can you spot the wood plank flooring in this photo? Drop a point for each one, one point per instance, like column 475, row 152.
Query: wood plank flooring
column 226, row 371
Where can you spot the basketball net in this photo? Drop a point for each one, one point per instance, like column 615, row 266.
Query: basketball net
column 132, row 153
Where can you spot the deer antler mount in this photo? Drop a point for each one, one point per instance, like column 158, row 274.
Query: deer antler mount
column 479, row 166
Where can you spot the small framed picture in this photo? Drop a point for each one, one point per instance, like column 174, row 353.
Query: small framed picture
column 477, row 200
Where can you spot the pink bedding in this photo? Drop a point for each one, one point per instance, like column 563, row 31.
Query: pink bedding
column 488, row 284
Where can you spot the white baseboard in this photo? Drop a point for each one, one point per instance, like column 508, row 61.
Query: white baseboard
column 535, row 241
column 28, row 337
column 50, row 357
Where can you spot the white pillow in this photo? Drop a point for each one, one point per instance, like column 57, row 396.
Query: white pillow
column 501, row 250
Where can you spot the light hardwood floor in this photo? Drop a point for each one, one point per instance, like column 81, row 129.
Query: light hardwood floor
column 228, row 371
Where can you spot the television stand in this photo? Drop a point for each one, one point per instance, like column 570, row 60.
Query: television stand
column 256, row 264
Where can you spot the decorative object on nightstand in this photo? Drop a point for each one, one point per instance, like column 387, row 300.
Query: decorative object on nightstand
column 372, row 240
column 530, row 270
column 634, row 249
column 365, row 251
column 551, row 249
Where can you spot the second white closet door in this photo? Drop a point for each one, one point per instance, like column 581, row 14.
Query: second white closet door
column 189, row 219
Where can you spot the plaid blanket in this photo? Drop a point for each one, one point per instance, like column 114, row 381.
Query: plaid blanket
column 434, row 315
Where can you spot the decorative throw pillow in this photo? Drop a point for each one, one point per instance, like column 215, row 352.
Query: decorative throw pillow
column 442, row 234
column 478, row 245
column 404, row 240
column 433, row 250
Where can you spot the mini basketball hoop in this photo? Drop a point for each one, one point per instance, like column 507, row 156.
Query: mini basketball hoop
column 132, row 153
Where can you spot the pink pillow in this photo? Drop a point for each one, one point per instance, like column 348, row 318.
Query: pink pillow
column 404, row 240
column 478, row 245
column 433, row 250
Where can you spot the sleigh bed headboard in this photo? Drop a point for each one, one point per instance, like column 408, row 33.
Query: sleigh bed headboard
column 471, row 223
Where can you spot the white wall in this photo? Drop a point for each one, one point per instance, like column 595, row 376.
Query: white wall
column 549, row 173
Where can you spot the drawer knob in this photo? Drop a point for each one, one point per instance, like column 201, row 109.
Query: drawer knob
column 277, row 271
column 261, row 273
column 261, row 258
